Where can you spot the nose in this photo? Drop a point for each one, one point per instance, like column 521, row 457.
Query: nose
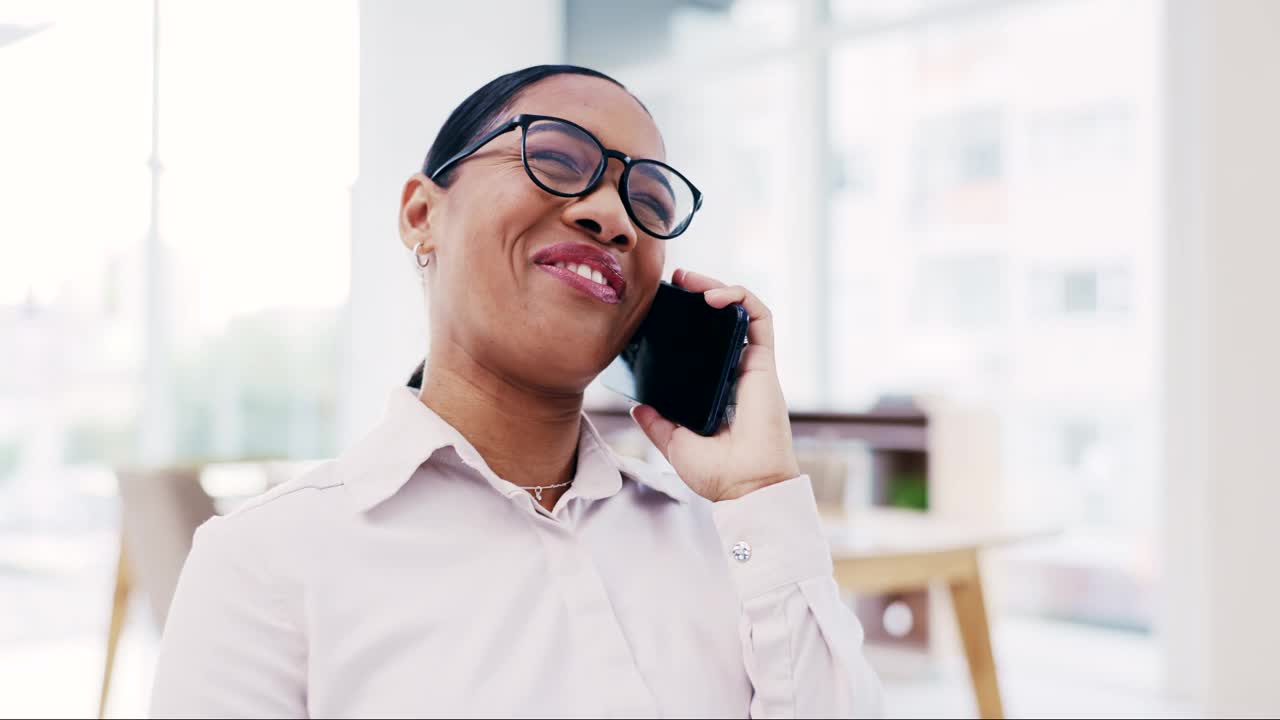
column 602, row 215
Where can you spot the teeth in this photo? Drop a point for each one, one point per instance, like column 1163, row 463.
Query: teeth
column 584, row 271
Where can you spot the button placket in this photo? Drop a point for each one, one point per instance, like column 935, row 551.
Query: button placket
column 591, row 604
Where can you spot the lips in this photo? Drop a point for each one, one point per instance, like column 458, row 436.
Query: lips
column 585, row 268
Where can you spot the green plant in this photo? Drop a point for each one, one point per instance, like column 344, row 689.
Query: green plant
column 908, row 490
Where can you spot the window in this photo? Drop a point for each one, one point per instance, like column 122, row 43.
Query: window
column 943, row 197
column 959, row 293
column 71, row 311
column 229, row 319
column 1082, row 141
column 259, row 154
column 1096, row 293
column 958, row 169
column 688, row 30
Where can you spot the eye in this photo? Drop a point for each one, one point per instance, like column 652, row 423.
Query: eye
column 650, row 207
column 552, row 160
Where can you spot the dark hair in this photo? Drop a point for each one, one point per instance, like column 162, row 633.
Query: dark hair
column 483, row 110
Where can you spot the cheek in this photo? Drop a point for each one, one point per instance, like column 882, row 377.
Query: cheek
column 503, row 208
column 494, row 218
column 486, row 255
column 651, row 255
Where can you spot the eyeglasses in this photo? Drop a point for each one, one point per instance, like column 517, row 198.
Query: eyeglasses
column 568, row 161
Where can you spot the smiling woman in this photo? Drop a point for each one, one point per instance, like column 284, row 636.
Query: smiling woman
column 486, row 280
column 483, row 551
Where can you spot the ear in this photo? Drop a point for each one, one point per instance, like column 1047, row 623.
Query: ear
column 417, row 201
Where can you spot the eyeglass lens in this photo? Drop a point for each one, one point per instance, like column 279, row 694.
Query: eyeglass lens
column 565, row 160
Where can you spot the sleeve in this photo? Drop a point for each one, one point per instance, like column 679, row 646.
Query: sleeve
column 801, row 644
column 229, row 649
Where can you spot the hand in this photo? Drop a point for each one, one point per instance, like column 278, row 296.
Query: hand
column 755, row 450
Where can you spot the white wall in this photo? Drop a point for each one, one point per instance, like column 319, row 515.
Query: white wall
column 418, row 60
column 1222, row 624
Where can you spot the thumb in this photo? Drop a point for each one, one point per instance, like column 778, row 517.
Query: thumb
column 657, row 428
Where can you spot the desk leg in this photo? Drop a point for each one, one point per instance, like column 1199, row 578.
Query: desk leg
column 975, row 632
column 119, row 606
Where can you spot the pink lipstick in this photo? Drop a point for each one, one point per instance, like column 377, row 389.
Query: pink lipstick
column 586, row 268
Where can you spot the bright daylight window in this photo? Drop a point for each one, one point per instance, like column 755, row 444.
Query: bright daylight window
column 951, row 198
column 256, row 155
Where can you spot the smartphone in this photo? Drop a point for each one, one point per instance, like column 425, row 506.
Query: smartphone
column 683, row 360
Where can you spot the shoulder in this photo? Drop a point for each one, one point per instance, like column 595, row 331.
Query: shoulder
column 294, row 495
column 282, row 515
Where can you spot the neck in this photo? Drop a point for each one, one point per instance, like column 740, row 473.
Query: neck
column 528, row 437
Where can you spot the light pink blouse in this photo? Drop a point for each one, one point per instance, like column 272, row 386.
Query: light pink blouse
column 405, row 578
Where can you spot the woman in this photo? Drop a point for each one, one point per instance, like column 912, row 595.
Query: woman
column 482, row 551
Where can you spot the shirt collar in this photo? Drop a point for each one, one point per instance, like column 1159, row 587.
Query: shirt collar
column 410, row 433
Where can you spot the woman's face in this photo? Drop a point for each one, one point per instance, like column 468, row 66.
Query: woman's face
column 496, row 292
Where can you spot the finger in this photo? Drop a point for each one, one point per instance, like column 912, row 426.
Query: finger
column 657, row 428
column 756, row 359
column 760, row 330
column 694, row 282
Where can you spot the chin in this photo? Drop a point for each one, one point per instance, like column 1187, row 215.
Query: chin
column 561, row 370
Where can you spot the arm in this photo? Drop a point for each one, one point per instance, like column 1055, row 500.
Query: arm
column 230, row 648
column 801, row 644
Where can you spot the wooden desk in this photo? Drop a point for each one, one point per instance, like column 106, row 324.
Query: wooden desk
column 881, row 551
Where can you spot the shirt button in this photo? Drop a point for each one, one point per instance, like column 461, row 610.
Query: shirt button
column 742, row 552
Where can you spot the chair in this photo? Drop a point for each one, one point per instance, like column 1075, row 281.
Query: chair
column 160, row 511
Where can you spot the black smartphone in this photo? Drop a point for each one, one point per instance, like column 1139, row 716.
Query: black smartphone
column 683, row 360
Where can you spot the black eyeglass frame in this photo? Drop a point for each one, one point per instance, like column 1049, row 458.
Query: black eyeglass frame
column 523, row 121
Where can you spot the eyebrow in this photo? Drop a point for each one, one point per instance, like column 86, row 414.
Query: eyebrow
column 655, row 172
column 540, row 127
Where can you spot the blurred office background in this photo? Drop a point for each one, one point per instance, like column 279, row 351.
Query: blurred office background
column 1050, row 216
